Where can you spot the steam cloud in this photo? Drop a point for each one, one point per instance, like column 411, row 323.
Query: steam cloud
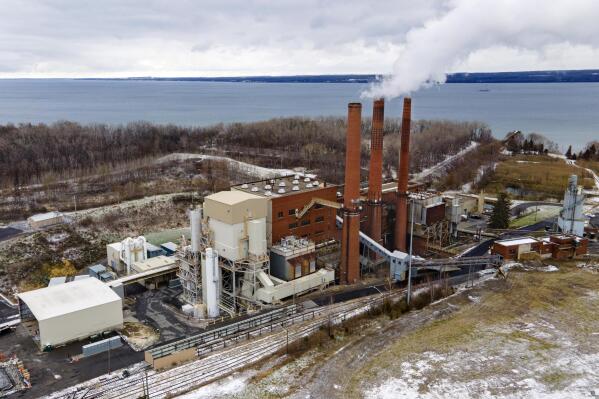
column 470, row 27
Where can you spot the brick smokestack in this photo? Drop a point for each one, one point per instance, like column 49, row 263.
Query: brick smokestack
column 350, row 246
column 375, row 176
column 401, row 216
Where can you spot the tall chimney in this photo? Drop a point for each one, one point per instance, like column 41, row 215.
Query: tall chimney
column 401, row 215
column 350, row 246
column 375, row 176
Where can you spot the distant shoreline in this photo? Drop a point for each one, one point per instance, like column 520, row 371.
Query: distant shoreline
column 567, row 76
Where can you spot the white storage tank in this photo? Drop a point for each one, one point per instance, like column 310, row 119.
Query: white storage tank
column 211, row 283
column 195, row 220
column 257, row 237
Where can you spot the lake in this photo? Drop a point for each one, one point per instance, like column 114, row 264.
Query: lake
column 567, row 113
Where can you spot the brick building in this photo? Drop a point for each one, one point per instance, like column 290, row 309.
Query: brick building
column 289, row 194
column 555, row 246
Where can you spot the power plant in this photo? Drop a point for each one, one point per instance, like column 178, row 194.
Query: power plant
column 262, row 256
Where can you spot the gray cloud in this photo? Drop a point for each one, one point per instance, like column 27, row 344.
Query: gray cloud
column 49, row 38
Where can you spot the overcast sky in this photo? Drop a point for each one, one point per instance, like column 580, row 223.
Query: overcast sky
column 77, row 38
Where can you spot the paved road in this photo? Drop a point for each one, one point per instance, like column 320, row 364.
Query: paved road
column 520, row 208
column 480, row 250
column 8, row 232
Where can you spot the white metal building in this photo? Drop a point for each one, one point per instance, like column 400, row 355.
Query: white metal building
column 571, row 218
column 45, row 219
column 67, row 312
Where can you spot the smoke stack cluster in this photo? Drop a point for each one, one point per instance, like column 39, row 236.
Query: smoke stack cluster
column 401, row 216
column 375, row 176
column 350, row 239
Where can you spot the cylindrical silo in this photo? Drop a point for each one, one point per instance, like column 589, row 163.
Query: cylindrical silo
column 257, row 237
column 195, row 220
column 210, row 283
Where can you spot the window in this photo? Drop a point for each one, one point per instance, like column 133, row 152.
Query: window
column 292, row 225
column 291, row 212
column 305, row 222
column 280, row 214
column 318, row 206
column 319, row 219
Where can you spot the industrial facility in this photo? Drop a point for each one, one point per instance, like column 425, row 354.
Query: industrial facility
column 256, row 247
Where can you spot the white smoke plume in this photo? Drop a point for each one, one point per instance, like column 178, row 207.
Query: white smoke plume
column 470, row 27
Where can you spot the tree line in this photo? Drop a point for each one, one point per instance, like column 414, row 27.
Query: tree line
column 589, row 153
column 28, row 152
column 533, row 143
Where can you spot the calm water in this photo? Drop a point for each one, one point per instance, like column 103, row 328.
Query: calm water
column 567, row 113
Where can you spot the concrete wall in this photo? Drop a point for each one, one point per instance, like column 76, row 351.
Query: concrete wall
column 171, row 360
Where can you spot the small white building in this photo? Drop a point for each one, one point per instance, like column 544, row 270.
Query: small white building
column 113, row 256
column 63, row 313
column 42, row 220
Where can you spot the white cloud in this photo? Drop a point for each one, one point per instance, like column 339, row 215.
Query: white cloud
column 68, row 38
column 495, row 35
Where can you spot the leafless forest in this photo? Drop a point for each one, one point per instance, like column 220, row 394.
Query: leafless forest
column 43, row 154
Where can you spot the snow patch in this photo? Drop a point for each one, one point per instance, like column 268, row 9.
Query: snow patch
column 223, row 388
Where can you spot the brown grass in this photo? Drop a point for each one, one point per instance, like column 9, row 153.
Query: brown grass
column 524, row 296
column 537, row 176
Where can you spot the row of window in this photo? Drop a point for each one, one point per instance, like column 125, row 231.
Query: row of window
column 306, row 222
column 291, row 212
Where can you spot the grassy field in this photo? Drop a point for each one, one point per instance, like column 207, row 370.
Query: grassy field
column 535, row 177
column 538, row 214
column 529, row 336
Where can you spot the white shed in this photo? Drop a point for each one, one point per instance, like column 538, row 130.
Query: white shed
column 67, row 312
column 45, row 219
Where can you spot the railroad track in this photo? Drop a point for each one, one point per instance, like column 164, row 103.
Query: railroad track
column 222, row 359
column 222, row 362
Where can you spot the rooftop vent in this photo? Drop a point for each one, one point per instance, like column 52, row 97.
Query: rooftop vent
column 309, row 185
column 254, row 189
column 306, row 179
column 295, row 181
column 316, row 184
column 244, row 185
column 295, row 188
column 268, row 187
column 297, row 177
column 268, row 193
column 281, row 191
column 282, row 184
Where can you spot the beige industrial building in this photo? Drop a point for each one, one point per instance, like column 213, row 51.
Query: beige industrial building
column 63, row 313
column 229, row 213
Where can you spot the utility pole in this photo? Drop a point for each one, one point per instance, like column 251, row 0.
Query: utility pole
column 109, row 345
column 410, row 258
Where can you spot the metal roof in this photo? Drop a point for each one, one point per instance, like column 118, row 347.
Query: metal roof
column 231, row 197
column 45, row 216
column 58, row 300
column 517, row 241
column 282, row 186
